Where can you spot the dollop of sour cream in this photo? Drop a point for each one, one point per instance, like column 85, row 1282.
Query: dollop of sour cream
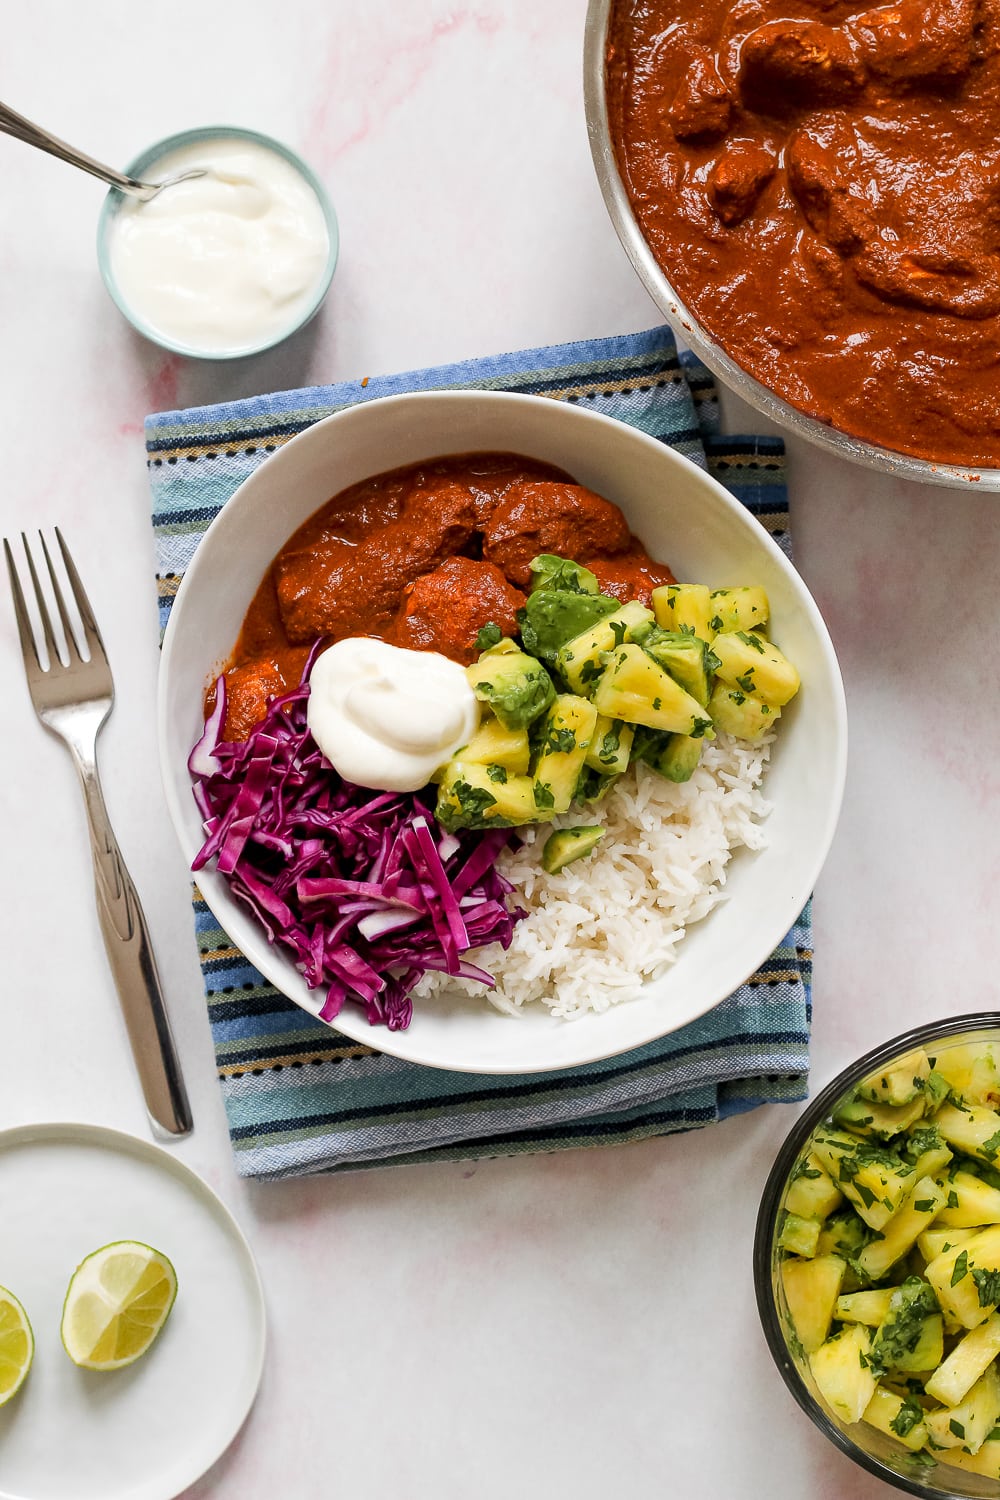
column 223, row 262
column 385, row 717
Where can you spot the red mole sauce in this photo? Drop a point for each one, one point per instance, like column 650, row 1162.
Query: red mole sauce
column 821, row 183
column 424, row 557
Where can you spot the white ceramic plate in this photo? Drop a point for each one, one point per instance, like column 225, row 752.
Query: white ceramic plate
column 149, row 1431
column 685, row 518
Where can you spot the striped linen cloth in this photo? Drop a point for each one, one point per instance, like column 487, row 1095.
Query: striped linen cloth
column 301, row 1098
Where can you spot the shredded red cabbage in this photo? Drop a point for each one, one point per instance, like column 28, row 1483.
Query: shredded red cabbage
column 364, row 888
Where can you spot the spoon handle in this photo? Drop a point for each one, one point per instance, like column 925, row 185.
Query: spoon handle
column 11, row 123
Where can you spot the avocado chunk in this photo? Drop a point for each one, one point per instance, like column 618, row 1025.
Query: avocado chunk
column 678, row 758
column 554, row 616
column 471, row 796
column 567, row 845
column 550, row 571
column 686, row 657
column 516, row 686
column 610, row 747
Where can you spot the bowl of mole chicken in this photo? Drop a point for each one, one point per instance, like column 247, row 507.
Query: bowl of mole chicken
column 809, row 196
column 499, row 736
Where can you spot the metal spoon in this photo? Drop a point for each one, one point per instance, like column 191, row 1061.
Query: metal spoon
column 11, row 123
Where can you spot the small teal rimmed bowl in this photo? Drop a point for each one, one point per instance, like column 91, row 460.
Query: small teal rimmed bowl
column 141, row 165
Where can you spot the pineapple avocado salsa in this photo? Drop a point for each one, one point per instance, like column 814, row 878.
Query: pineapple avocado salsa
column 454, row 684
column 888, row 1246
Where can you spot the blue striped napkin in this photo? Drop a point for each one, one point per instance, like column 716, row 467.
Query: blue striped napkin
column 302, row 1098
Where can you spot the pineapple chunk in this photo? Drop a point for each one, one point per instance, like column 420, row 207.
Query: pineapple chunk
column 972, row 1072
column 874, row 1179
column 741, row 714
column 811, row 1288
column 970, row 1202
column 739, row 609
column 864, row 1307
column 495, row 745
column 883, row 1120
column 933, row 1242
column 799, row 1235
column 581, row 660
column 897, row 1418
column 756, row 666
column 972, row 1129
column 966, row 1363
column 813, row 1194
column 952, row 1275
column 635, row 688
column 986, row 1461
column 841, row 1370
column 901, row 1232
column 899, row 1084
column 970, row 1423
column 566, row 732
column 679, row 606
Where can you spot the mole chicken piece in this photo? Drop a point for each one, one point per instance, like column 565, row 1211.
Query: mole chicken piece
column 335, row 588
column 249, row 689
column 445, row 610
column 633, row 575
column 546, row 516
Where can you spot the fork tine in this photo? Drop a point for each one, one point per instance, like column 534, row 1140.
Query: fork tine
column 55, row 660
column 24, row 629
column 91, row 633
column 72, row 647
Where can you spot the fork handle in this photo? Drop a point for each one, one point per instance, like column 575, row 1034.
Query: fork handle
column 133, row 967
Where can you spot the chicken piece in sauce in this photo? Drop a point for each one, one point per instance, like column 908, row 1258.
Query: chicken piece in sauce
column 546, row 516
column 338, row 589
column 445, row 610
column 633, row 575
column 248, row 689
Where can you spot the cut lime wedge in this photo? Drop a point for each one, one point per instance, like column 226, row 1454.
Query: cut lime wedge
column 117, row 1301
column 17, row 1345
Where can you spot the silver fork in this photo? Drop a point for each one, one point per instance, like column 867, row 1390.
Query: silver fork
column 73, row 701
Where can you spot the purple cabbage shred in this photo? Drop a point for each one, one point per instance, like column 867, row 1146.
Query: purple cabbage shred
column 363, row 889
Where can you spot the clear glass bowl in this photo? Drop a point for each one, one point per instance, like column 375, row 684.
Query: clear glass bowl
column 687, row 326
column 879, row 1454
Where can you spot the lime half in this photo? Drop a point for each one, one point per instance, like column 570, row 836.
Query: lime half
column 17, row 1345
column 116, row 1303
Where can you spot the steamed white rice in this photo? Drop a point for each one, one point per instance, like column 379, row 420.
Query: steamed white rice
column 601, row 927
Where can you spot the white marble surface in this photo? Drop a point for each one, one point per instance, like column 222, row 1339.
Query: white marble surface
column 581, row 1324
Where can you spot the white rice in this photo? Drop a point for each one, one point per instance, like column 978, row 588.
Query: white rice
column 602, row 926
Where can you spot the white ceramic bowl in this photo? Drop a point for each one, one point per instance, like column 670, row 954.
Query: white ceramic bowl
column 684, row 517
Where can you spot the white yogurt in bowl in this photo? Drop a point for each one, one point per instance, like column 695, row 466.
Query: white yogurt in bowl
column 227, row 263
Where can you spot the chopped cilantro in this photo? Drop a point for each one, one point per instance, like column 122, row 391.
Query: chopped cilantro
column 589, row 671
column 715, row 623
column 925, row 1205
column 497, row 773
column 991, row 1147
column 699, row 729
column 909, row 1414
column 488, row 636
column 560, row 739
column 737, row 697
column 952, row 1199
column 618, row 630
column 544, row 796
column 610, row 746
column 751, row 640
column 657, row 704
column 746, row 681
column 956, row 1428
column 961, row 1268
column 685, row 629
column 988, row 1287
